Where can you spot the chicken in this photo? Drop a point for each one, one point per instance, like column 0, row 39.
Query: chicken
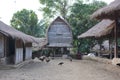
column 70, row 58
column 60, row 63
column 118, row 64
column 42, row 58
column 47, row 60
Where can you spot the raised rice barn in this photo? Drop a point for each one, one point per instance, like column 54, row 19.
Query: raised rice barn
column 59, row 35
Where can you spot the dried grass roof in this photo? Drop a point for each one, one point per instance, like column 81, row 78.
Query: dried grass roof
column 15, row 34
column 41, row 43
column 59, row 19
column 101, row 29
column 110, row 11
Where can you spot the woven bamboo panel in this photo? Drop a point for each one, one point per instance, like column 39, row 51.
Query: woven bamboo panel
column 60, row 34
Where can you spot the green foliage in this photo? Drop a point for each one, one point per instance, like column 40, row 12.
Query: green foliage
column 55, row 7
column 27, row 22
column 42, row 28
column 80, row 21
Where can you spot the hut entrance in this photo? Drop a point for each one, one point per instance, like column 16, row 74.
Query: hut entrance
column 11, row 49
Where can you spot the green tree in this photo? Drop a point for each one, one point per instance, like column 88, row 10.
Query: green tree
column 55, row 7
column 80, row 21
column 42, row 26
column 27, row 22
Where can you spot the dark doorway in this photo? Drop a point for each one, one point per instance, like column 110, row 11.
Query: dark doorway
column 24, row 51
column 11, row 51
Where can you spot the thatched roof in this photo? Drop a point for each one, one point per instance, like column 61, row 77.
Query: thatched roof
column 59, row 19
column 40, row 45
column 110, row 11
column 15, row 34
column 101, row 29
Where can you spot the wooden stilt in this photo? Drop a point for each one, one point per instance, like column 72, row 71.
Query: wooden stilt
column 100, row 43
column 110, row 48
column 115, row 38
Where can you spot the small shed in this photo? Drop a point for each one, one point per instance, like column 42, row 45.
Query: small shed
column 15, row 46
column 59, row 34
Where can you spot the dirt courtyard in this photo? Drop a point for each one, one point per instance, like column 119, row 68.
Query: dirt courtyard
column 75, row 70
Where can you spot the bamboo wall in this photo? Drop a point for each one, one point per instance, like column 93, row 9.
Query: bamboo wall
column 59, row 32
column 28, row 54
column 19, row 55
column 18, row 51
column 28, row 51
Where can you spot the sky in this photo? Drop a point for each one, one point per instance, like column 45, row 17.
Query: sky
column 9, row 7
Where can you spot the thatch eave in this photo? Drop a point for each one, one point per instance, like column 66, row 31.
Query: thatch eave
column 41, row 43
column 15, row 34
column 108, row 11
column 103, row 28
column 60, row 45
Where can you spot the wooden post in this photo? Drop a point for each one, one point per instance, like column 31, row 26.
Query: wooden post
column 110, row 48
column 115, row 38
column 54, row 49
column 100, row 43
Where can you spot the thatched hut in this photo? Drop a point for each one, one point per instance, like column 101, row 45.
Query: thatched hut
column 15, row 46
column 111, row 11
column 103, row 29
column 59, row 34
